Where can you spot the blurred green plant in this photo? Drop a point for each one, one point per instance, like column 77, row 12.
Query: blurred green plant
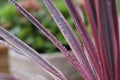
column 20, row 27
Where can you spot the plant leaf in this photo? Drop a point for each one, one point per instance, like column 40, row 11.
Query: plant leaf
column 73, row 61
column 92, row 17
column 69, row 35
column 107, row 37
column 92, row 53
column 32, row 54
column 117, row 71
column 116, row 26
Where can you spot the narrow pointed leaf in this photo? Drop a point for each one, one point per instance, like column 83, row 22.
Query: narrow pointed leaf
column 107, row 37
column 92, row 17
column 32, row 54
column 115, row 16
column 69, row 35
column 101, row 62
column 116, row 26
column 73, row 61
column 117, row 70
column 91, row 12
column 92, row 53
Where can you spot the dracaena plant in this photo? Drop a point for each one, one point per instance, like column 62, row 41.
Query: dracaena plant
column 100, row 61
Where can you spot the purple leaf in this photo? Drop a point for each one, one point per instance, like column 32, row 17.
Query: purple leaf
column 69, row 35
column 117, row 68
column 92, row 53
column 73, row 61
column 107, row 37
column 32, row 54
column 92, row 17
column 101, row 62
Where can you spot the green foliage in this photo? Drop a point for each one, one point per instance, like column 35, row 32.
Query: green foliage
column 8, row 15
column 19, row 26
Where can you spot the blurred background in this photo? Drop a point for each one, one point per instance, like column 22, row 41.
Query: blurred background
column 18, row 25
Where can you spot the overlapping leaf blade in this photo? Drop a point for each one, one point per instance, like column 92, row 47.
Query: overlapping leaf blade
column 107, row 37
column 92, row 17
column 50, row 36
column 92, row 52
column 116, row 26
column 69, row 35
column 103, row 19
column 31, row 54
